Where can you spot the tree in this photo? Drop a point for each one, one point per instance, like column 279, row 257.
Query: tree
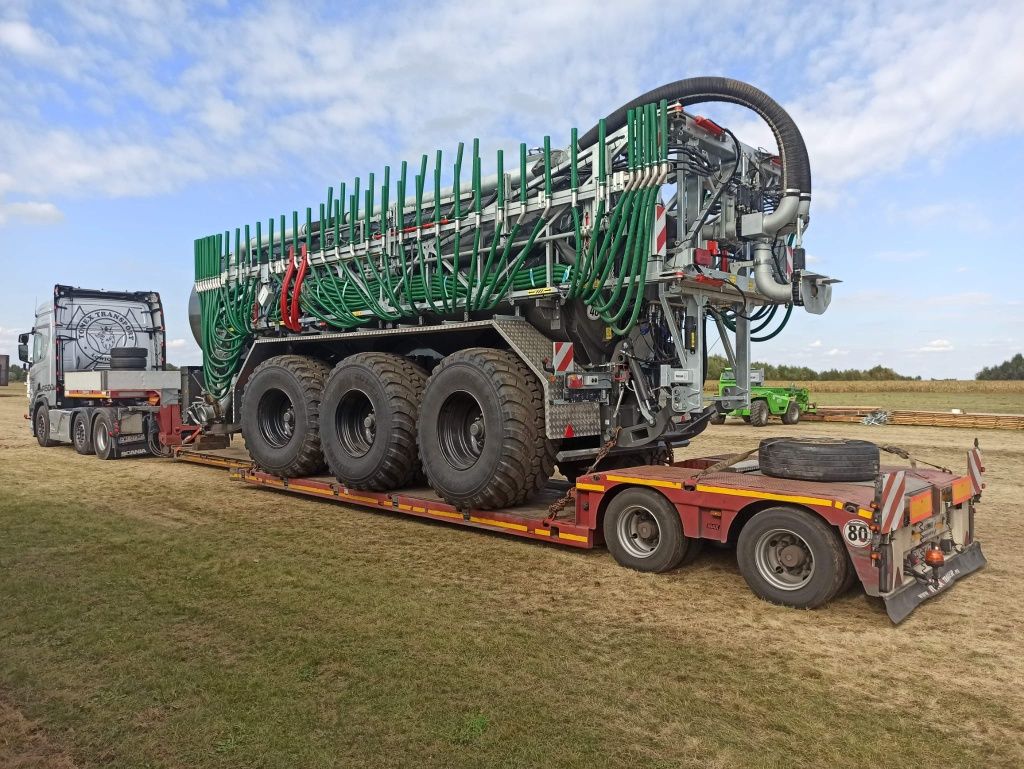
column 1010, row 369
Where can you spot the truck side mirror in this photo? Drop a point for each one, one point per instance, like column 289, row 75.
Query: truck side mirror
column 23, row 348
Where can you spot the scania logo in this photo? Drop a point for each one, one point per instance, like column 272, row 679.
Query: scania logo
column 102, row 330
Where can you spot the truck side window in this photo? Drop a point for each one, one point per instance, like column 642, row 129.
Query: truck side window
column 39, row 345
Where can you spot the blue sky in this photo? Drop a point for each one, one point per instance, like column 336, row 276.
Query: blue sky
column 130, row 128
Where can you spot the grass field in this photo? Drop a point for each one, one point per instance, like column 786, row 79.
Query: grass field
column 154, row 614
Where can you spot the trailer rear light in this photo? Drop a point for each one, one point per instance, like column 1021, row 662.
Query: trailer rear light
column 153, row 400
column 934, row 557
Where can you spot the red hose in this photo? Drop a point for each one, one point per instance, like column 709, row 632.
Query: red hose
column 285, row 318
column 297, row 290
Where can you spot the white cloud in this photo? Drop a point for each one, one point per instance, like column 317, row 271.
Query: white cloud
column 836, row 351
column 175, row 343
column 30, row 211
column 815, row 343
column 937, row 345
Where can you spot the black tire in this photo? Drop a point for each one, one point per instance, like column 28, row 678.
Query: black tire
column 478, row 433
column 542, row 466
column 791, row 557
column 103, row 439
column 746, row 418
column 642, row 531
column 368, row 419
column 792, row 415
column 718, row 418
column 41, row 423
column 818, row 459
column 127, row 364
column 81, row 434
column 281, row 415
column 759, row 413
column 128, row 352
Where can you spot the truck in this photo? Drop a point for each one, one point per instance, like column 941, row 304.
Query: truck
column 787, row 403
column 440, row 353
column 97, row 375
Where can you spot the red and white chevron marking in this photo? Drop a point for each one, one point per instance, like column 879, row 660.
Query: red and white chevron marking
column 659, row 238
column 562, row 357
column 976, row 470
column 890, row 506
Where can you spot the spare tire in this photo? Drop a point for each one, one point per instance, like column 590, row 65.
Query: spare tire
column 127, row 364
column 818, row 459
column 128, row 352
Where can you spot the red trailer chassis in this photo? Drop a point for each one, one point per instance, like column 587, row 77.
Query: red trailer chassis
column 893, row 528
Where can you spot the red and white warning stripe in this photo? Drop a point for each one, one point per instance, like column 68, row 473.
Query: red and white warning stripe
column 890, row 506
column 659, row 237
column 563, row 357
column 976, row 470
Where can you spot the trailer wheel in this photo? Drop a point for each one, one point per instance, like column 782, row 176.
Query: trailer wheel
column 41, row 422
column 792, row 415
column 818, row 459
column 643, row 531
column 281, row 415
column 478, row 434
column 81, row 435
column 368, row 419
column 103, row 436
column 791, row 557
column 759, row 413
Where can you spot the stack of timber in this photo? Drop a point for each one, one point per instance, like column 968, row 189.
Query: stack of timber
column 859, row 414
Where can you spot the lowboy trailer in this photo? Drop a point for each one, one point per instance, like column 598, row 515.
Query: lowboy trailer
column 907, row 534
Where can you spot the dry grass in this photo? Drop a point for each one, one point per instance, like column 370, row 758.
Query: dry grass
column 154, row 614
column 913, row 386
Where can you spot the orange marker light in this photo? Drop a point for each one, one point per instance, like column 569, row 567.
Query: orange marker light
column 934, row 557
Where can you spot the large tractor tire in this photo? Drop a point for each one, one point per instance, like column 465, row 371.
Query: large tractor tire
column 281, row 415
column 368, row 420
column 792, row 415
column 759, row 413
column 818, row 459
column 792, row 557
column 481, row 437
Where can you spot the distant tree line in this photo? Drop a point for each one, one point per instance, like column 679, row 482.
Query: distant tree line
column 1011, row 369
column 804, row 374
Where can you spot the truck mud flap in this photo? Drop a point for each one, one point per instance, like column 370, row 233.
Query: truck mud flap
column 901, row 603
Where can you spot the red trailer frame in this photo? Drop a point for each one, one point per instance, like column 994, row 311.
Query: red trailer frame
column 876, row 519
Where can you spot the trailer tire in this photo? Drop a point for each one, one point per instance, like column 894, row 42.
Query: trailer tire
column 792, row 415
column 791, row 557
column 718, row 418
column 818, row 459
column 478, row 434
column 759, row 413
column 103, row 436
column 81, row 434
column 41, row 424
column 368, row 418
column 643, row 531
column 281, row 415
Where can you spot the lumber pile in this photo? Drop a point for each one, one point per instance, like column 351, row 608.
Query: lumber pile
column 878, row 415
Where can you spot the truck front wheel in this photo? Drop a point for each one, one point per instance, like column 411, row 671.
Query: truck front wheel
column 41, row 423
column 643, row 531
column 791, row 557
column 481, row 437
column 368, row 419
column 281, row 415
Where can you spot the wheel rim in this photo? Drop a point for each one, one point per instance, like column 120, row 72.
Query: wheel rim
column 356, row 423
column 40, row 424
column 80, row 433
column 275, row 415
column 100, row 439
column 639, row 531
column 784, row 559
column 461, row 433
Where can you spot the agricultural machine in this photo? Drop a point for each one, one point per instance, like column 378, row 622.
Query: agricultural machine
column 787, row 403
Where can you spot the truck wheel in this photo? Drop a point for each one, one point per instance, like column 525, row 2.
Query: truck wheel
column 818, row 459
column 281, row 415
column 791, row 557
column 759, row 413
column 368, row 419
column 81, row 435
column 478, row 437
column 103, row 437
column 642, row 531
column 718, row 418
column 41, row 423
column 792, row 415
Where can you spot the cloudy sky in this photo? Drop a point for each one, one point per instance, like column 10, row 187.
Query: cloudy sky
column 130, row 128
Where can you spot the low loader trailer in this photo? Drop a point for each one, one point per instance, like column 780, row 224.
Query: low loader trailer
column 906, row 534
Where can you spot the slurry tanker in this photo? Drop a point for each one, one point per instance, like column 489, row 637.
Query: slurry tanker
column 555, row 312
column 479, row 334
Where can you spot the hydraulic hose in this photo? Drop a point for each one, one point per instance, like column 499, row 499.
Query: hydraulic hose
column 796, row 166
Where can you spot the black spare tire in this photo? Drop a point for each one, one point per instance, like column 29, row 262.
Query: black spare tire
column 818, row 459
column 128, row 352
